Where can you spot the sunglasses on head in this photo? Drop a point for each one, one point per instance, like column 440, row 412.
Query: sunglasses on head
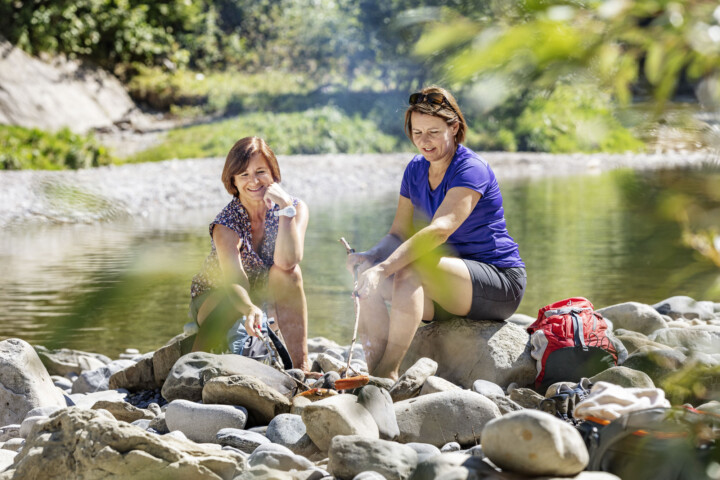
column 433, row 98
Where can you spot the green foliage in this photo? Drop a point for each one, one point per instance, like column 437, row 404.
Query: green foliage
column 322, row 130
column 22, row 148
column 624, row 45
column 573, row 118
column 695, row 385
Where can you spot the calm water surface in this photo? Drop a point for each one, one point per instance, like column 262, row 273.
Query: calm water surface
column 103, row 288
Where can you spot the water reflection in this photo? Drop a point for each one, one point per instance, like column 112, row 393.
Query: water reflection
column 106, row 287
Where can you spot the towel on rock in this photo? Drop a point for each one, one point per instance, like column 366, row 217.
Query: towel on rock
column 609, row 401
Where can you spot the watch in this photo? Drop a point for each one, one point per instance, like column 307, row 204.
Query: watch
column 288, row 211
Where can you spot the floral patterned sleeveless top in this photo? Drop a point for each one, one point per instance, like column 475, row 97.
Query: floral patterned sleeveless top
column 256, row 264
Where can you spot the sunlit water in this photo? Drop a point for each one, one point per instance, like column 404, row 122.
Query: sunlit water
column 110, row 286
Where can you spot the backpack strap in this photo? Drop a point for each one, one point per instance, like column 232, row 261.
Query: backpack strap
column 578, row 330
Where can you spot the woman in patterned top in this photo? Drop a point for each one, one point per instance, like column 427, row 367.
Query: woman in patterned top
column 257, row 245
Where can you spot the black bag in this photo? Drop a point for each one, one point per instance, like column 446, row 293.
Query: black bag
column 655, row 444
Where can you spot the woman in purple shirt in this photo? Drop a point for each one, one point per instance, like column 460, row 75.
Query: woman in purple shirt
column 448, row 250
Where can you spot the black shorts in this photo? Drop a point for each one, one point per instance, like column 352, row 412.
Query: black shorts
column 496, row 291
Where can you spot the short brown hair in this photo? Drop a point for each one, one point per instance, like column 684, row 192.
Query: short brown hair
column 239, row 156
column 445, row 112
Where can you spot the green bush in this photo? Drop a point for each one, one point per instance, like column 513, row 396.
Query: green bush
column 23, row 148
column 321, row 130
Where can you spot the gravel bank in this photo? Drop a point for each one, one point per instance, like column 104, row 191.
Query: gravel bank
column 176, row 185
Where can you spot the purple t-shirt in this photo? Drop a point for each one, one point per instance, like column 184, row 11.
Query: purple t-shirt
column 483, row 236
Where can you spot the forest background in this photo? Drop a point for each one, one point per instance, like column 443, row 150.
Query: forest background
column 333, row 76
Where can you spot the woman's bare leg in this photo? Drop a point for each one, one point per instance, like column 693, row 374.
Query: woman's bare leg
column 215, row 317
column 286, row 290
column 405, row 315
column 447, row 282
column 374, row 323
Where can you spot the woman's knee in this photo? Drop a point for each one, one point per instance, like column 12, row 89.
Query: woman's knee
column 285, row 278
column 406, row 277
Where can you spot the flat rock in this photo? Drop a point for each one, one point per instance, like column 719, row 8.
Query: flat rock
column 634, row 316
column 541, row 444
column 410, row 383
column 350, row 455
column 9, row 431
column 338, row 415
column 437, row 418
column 190, row 373
column 201, row 423
column 244, row 440
column 65, row 361
column 377, row 401
column 467, row 350
column 262, row 402
column 123, row 411
column 110, row 449
column 25, row 382
column 87, row 400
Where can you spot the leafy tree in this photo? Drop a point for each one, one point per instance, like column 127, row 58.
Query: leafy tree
column 630, row 47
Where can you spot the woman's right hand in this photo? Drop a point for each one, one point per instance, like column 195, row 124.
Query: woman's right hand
column 362, row 260
column 253, row 321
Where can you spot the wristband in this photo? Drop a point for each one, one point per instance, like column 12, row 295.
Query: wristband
column 288, row 211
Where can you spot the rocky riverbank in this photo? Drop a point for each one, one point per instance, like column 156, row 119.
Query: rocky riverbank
column 469, row 414
column 178, row 185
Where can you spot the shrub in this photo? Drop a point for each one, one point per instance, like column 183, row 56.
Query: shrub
column 23, row 148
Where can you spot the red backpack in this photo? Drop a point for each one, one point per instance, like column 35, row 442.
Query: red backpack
column 569, row 341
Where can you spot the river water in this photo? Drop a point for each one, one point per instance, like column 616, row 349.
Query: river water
column 611, row 237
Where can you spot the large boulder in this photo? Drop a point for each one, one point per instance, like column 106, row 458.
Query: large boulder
column 634, row 316
column 190, row 373
column 534, row 443
column 24, row 382
column 65, row 361
column 338, row 415
column 78, row 443
column 700, row 338
column 438, row 418
column 57, row 94
column 262, row 402
column 467, row 350
column 350, row 455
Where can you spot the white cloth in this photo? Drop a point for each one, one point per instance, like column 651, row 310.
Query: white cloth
column 609, row 401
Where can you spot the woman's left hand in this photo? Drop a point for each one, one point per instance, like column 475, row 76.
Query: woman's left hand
column 369, row 281
column 275, row 194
